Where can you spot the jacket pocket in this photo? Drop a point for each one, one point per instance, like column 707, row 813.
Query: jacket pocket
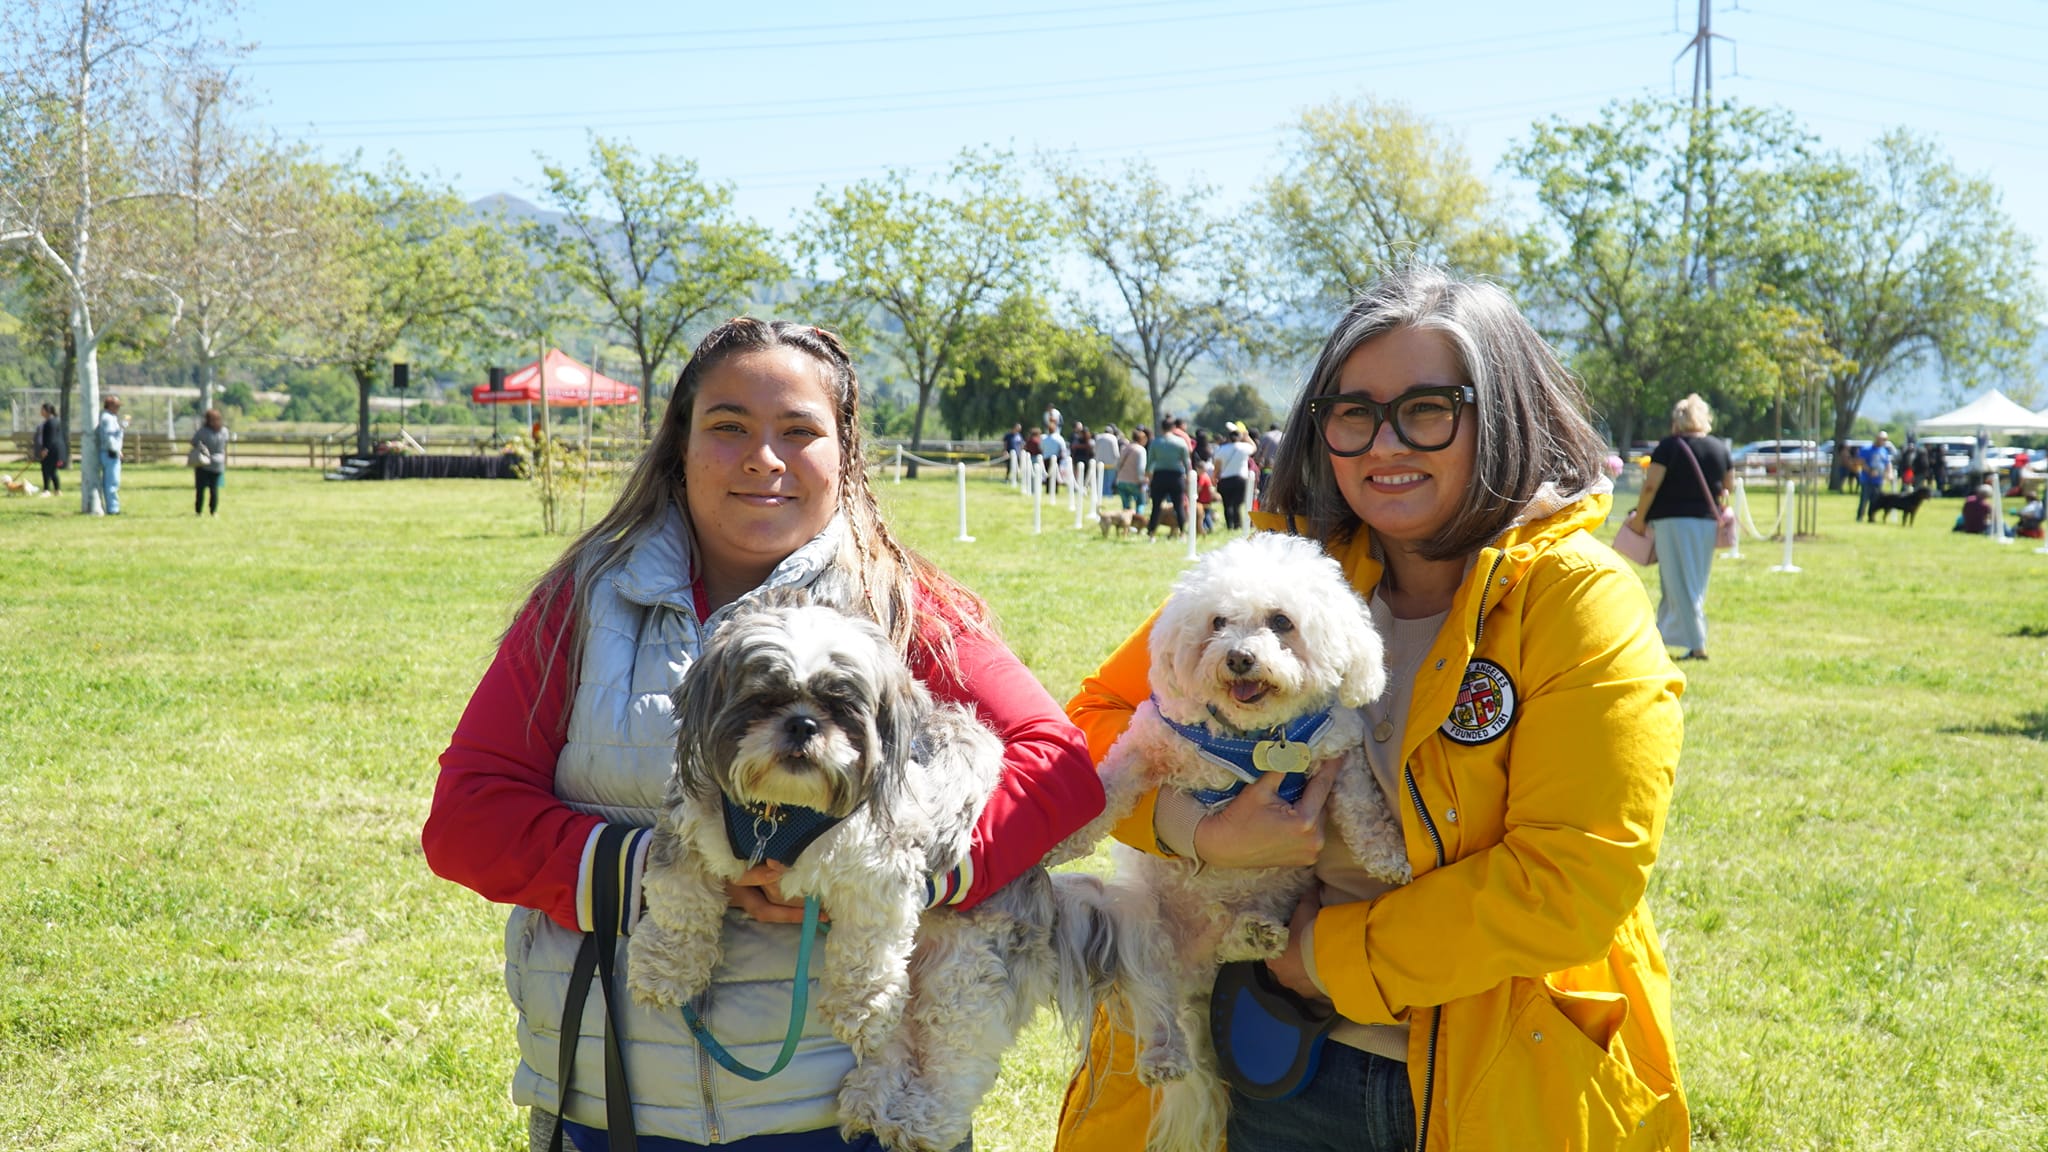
column 1563, row 1080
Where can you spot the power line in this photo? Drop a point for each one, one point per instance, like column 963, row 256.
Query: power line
column 1910, row 103
column 1915, row 41
column 832, row 42
column 1141, row 83
column 1952, row 14
column 1980, row 78
column 701, row 33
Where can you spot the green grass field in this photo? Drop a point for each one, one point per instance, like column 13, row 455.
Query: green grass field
column 217, row 743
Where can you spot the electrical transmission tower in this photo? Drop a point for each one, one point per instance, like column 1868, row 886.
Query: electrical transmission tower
column 1702, row 48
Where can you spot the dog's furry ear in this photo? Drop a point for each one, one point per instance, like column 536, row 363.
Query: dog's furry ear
column 696, row 701
column 1362, row 655
column 1180, row 634
column 901, row 706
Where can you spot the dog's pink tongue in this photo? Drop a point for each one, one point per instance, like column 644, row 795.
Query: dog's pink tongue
column 1246, row 691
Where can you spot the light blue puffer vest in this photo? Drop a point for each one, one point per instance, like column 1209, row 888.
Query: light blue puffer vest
column 642, row 636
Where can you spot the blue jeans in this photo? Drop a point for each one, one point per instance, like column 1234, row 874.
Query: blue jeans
column 110, row 484
column 1358, row 1102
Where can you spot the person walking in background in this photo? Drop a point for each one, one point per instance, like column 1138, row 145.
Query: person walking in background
column 1131, row 471
column 1166, row 461
column 1108, row 448
column 1875, row 464
column 1268, row 451
column 1200, row 450
column 52, row 447
column 1012, row 441
column 108, row 435
column 1233, row 474
column 1053, row 447
column 209, row 458
column 1683, row 490
column 1082, row 451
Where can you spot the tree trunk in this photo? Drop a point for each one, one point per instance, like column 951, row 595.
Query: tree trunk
column 66, row 378
column 924, row 395
column 646, row 400
column 89, row 459
column 363, row 378
column 205, row 382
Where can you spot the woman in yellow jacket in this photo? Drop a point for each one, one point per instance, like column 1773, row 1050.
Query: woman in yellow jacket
column 1512, row 995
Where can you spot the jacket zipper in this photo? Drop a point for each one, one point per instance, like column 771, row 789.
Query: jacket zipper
column 703, row 1008
column 1436, row 1016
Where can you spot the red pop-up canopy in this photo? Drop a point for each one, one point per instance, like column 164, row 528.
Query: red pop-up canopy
column 570, row 385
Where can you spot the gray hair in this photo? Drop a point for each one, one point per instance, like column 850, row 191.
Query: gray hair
column 1691, row 417
column 1532, row 423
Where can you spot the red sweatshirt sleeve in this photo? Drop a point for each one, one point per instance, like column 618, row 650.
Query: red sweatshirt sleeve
column 1048, row 788
column 496, row 826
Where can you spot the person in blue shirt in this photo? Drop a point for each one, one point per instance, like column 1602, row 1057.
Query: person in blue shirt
column 1877, row 464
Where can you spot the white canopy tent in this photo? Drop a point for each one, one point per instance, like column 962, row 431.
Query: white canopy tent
column 1993, row 413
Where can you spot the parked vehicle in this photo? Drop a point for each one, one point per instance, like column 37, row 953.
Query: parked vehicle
column 1769, row 456
column 1955, row 452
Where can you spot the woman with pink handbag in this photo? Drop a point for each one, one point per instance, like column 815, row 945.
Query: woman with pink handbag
column 1684, row 513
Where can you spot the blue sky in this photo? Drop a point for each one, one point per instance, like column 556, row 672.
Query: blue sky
column 779, row 101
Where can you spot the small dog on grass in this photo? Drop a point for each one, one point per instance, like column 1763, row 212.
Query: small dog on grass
column 806, row 717
column 1262, row 653
column 1122, row 521
column 1904, row 503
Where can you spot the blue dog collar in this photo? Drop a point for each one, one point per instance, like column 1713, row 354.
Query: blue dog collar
column 1234, row 753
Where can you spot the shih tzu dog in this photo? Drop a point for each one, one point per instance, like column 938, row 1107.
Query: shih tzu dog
column 1262, row 658
column 804, row 737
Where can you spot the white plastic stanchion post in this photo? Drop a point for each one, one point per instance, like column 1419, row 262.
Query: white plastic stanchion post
column 1998, row 510
column 1790, row 526
column 1080, row 508
column 1037, row 497
column 960, row 478
column 899, row 464
column 1188, row 521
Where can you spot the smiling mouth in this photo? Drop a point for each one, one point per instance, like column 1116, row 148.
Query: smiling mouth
column 1249, row 691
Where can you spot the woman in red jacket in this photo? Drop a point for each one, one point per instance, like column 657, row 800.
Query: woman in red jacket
column 755, row 480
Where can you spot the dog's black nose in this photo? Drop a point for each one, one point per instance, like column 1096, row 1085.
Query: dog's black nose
column 1239, row 662
column 800, row 728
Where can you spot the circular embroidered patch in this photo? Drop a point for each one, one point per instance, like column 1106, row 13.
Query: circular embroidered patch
column 1485, row 707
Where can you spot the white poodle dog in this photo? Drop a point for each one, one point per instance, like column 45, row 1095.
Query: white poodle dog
column 1262, row 655
column 802, row 719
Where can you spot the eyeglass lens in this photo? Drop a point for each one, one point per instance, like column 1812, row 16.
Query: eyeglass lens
column 1425, row 421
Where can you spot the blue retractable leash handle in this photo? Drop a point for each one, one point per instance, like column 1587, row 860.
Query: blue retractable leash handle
column 799, row 1005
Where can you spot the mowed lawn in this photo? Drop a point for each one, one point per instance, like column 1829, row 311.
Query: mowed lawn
column 217, row 743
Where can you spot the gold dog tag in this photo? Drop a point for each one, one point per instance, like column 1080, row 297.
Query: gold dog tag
column 1280, row 756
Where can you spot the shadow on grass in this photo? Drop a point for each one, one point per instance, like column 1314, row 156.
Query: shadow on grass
column 2032, row 725
column 2030, row 631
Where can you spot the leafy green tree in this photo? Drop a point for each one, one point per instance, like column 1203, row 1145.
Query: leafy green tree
column 1910, row 258
column 76, row 80
column 655, row 245
column 1370, row 184
column 411, row 273
column 1174, row 270
column 1020, row 359
column 1650, row 304
column 1234, row 403
column 926, row 259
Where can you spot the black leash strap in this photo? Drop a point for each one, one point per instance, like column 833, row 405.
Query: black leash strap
column 599, row 956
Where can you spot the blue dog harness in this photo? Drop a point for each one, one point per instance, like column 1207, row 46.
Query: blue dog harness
column 1239, row 755
column 780, row 833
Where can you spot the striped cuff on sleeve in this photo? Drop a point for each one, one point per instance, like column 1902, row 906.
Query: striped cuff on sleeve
column 949, row 887
column 632, row 866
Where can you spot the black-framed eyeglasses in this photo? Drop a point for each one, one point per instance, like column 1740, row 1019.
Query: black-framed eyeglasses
column 1425, row 419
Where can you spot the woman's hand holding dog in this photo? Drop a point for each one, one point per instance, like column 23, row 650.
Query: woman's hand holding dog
column 1257, row 829
column 1289, row 967
column 758, row 893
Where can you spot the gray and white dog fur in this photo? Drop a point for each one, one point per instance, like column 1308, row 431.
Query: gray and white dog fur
column 808, row 706
column 1262, row 631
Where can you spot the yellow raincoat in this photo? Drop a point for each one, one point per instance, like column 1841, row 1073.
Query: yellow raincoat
column 1539, row 753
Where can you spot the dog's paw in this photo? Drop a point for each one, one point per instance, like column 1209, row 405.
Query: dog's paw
column 1164, row 1064
column 656, row 990
column 1253, row 938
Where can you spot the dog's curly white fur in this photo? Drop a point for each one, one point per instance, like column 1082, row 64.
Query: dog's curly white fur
column 806, row 706
column 1263, row 631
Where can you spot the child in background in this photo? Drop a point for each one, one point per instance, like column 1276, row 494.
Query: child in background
column 1205, row 496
